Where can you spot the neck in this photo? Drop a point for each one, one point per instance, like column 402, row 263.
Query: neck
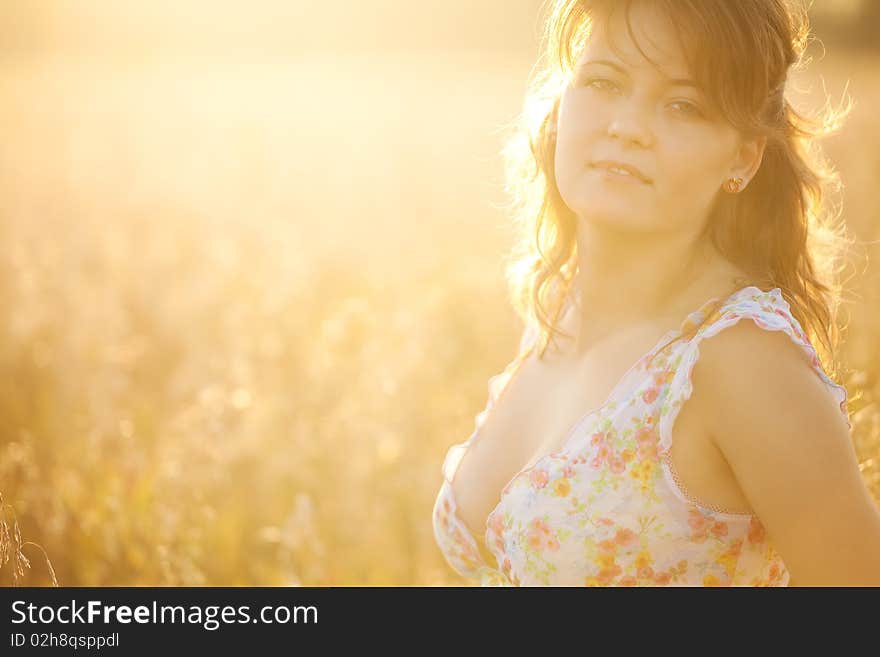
column 624, row 278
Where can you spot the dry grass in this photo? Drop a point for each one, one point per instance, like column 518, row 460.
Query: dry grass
column 12, row 547
column 247, row 307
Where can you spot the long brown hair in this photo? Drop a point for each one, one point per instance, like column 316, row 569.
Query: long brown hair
column 783, row 230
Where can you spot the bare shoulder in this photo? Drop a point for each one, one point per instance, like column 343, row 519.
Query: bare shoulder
column 750, row 374
column 780, row 428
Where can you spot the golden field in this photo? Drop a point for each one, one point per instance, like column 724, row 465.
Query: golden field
column 247, row 305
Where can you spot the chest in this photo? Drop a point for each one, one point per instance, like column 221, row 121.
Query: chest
column 542, row 406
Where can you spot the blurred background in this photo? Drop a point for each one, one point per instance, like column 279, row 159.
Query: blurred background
column 252, row 284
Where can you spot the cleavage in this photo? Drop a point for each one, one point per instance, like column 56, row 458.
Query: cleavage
column 535, row 416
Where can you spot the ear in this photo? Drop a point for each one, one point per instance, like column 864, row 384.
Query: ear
column 748, row 159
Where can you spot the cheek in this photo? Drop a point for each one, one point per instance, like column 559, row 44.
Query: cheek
column 575, row 133
column 694, row 167
column 690, row 164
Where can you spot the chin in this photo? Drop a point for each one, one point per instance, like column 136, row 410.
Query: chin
column 622, row 199
column 619, row 218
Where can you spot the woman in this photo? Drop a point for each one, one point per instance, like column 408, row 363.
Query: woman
column 672, row 193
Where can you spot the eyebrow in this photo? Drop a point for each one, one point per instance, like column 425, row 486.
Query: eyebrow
column 672, row 82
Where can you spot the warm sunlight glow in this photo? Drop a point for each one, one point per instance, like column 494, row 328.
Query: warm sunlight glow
column 252, row 279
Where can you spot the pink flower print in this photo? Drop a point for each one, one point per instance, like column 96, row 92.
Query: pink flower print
column 647, row 452
column 624, row 536
column 756, row 531
column 535, row 541
column 719, row 529
column 700, row 535
column 700, row 526
column 646, row 436
column 604, row 521
column 568, row 472
column 617, row 465
column 539, row 525
column 662, row 578
column 496, row 523
column 607, row 574
column 608, row 545
column 696, row 520
column 602, row 456
column 538, row 478
column 650, row 395
column 539, row 536
column 597, row 438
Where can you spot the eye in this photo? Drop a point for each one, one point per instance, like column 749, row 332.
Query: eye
column 687, row 108
column 600, row 84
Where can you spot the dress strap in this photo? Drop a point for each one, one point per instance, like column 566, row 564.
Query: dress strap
column 768, row 310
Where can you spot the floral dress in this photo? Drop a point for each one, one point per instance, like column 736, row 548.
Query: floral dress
column 608, row 508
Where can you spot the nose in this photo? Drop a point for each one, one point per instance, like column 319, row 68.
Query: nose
column 630, row 125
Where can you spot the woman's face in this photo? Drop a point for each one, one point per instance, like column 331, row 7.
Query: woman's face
column 625, row 111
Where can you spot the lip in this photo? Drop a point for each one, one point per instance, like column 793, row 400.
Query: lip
column 608, row 164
